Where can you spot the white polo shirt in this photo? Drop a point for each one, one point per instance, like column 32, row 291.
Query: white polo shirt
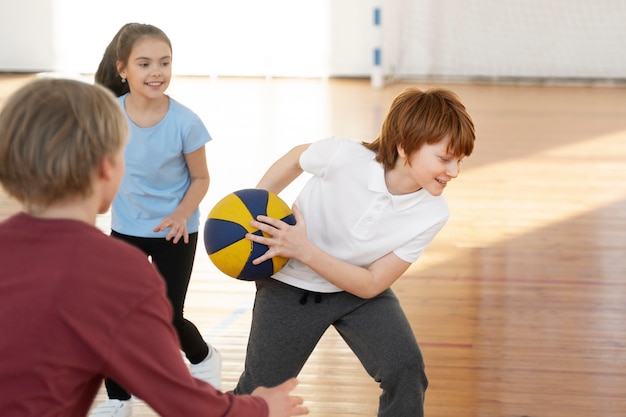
column 351, row 215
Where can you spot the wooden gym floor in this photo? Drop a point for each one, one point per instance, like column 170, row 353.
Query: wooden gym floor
column 519, row 304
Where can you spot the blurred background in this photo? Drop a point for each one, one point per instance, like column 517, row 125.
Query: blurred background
column 536, row 40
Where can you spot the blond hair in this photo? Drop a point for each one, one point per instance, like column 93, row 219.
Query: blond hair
column 417, row 117
column 53, row 134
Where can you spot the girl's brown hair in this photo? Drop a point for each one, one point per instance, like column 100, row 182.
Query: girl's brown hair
column 417, row 117
column 119, row 50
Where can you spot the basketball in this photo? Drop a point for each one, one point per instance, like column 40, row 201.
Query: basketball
column 226, row 227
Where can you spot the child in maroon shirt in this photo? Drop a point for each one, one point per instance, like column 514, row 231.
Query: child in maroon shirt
column 66, row 319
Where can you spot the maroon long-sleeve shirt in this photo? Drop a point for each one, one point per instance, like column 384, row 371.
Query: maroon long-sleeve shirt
column 76, row 305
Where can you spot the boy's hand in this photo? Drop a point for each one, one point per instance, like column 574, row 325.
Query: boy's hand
column 282, row 238
column 279, row 400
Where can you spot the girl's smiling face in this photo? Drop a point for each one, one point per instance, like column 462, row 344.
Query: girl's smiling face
column 149, row 68
column 431, row 167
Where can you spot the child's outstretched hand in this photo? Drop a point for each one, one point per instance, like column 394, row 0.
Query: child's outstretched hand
column 282, row 238
column 279, row 400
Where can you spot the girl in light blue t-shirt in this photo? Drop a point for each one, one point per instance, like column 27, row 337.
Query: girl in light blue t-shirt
column 166, row 178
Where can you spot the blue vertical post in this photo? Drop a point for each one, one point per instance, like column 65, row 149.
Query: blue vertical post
column 377, row 69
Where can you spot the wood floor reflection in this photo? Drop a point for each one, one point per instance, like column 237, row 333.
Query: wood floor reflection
column 519, row 305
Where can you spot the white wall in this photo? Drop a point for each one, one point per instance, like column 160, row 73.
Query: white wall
column 322, row 38
column 26, row 38
column 511, row 39
column 229, row 37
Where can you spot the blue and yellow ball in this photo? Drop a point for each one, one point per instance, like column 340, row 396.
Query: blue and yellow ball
column 226, row 227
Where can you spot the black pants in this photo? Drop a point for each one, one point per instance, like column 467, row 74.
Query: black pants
column 175, row 263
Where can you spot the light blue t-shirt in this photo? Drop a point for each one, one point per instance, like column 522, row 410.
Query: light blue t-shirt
column 156, row 175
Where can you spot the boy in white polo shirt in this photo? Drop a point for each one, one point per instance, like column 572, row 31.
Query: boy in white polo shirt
column 367, row 213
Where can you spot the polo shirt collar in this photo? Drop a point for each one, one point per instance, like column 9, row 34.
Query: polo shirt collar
column 376, row 183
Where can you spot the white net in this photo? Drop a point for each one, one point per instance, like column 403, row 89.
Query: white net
column 505, row 39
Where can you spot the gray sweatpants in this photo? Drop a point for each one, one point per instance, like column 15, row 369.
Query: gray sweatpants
column 287, row 325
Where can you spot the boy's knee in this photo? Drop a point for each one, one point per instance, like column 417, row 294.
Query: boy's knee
column 407, row 368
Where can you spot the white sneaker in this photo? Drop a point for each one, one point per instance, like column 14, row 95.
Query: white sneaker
column 113, row 408
column 210, row 369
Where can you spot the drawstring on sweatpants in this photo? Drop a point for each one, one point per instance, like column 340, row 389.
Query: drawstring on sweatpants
column 305, row 297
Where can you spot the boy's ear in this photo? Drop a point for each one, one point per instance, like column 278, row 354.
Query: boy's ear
column 105, row 168
column 401, row 152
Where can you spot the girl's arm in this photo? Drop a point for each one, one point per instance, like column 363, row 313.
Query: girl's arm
column 177, row 221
